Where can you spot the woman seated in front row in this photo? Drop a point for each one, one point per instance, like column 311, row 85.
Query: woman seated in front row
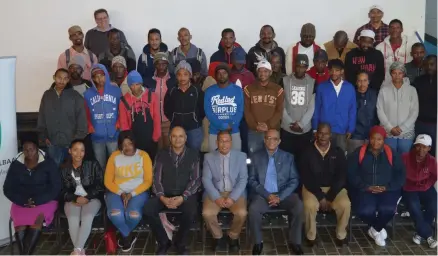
column 128, row 176
column 376, row 174
column 32, row 185
column 82, row 194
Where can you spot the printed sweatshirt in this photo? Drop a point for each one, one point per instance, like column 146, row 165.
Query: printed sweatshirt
column 370, row 61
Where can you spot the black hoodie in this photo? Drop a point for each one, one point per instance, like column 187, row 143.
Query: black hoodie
column 145, row 65
column 426, row 86
column 370, row 61
column 257, row 52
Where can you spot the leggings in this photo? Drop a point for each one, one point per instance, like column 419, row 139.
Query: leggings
column 83, row 215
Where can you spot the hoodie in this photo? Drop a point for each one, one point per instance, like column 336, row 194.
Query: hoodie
column 257, row 53
column 299, row 103
column 370, row 61
column 366, row 116
column 220, row 56
column 62, row 118
column 102, row 110
column 419, row 176
column 242, row 78
column 398, row 107
column 145, row 64
column 319, row 78
column 194, row 53
column 426, row 86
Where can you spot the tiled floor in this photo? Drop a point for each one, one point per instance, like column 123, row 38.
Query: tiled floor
column 275, row 243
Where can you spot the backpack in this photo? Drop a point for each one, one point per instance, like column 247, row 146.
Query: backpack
column 198, row 55
column 123, row 99
column 386, row 148
column 67, row 56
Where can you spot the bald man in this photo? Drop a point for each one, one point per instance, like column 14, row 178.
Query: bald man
column 186, row 51
column 339, row 46
column 176, row 183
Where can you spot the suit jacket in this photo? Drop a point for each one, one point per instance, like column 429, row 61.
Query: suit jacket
column 287, row 175
column 212, row 177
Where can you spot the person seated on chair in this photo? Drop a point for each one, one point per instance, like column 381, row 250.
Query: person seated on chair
column 273, row 179
column 418, row 191
column 33, row 185
column 324, row 174
column 224, row 177
column 177, row 180
column 82, row 194
column 376, row 174
column 128, row 177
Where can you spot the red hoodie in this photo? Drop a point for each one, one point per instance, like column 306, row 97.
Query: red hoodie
column 419, row 176
column 319, row 78
column 245, row 77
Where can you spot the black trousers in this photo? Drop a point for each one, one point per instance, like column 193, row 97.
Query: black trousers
column 294, row 143
column 189, row 210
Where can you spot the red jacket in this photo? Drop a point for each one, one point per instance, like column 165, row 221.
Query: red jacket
column 125, row 116
column 318, row 78
column 419, row 176
column 295, row 53
column 245, row 76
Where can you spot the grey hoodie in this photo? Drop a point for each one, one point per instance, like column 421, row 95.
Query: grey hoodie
column 299, row 102
column 398, row 107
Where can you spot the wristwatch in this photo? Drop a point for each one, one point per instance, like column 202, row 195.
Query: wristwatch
column 184, row 197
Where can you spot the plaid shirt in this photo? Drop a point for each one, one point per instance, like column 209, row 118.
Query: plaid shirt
column 381, row 33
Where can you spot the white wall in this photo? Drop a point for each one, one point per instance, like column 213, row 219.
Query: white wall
column 36, row 31
column 431, row 22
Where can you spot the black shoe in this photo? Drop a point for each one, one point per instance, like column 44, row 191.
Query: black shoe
column 163, row 247
column 341, row 242
column 128, row 243
column 234, row 245
column 218, row 245
column 19, row 240
column 310, row 243
column 257, row 249
column 182, row 250
column 33, row 236
column 296, row 248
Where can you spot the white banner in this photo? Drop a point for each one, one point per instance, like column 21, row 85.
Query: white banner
column 8, row 136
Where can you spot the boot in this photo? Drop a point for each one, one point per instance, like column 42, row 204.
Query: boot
column 19, row 240
column 33, row 236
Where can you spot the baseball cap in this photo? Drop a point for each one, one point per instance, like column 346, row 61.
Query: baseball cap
column 367, row 33
column 161, row 56
column 320, row 55
column 264, row 64
column 74, row 29
column 378, row 7
column 423, row 139
column 238, row 55
column 302, row 59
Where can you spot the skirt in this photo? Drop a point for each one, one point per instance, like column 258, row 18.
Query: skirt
column 23, row 216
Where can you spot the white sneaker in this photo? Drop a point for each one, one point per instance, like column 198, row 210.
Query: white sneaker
column 376, row 236
column 417, row 239
column 383, row 233
column 432, row 242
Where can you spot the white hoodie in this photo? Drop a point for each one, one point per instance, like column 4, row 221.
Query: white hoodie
column 398, row 107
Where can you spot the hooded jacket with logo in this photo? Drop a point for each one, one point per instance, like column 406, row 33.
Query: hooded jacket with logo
column 257, row 53
column 145, row 64
column 103, row 109
column 370, row 61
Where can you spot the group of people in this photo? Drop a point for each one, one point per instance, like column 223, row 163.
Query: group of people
column 345, row 126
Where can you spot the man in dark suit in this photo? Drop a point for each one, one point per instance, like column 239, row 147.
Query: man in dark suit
column 225, row 176
column 273, row 179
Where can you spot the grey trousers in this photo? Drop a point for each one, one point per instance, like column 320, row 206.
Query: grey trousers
column 352, row 145
column 295, row 210
column 236, row 142
column 83, row 215
column 339, row 140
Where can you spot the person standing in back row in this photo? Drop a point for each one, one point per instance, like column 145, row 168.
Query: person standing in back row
column 186, row 50
column 339, row 46
column 116, row 48
column 380, row 29
column 319, row 71
column 415, row 68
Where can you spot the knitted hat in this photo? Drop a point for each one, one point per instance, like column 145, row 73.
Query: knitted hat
column 77, row 60
column 195, row 64
column 29, row 137
column 397, row 65
column 238, row 55
column 308, row 29
column 335, row 63
column 134, row 78
column 118, row 59
column 320, row 55
column 183, row 65
column 74, row 29
column 378, row 129
column 302, row 59
column 161, row 56
column 223, row 66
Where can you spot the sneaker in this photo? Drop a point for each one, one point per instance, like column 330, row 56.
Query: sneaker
column 376, row 236
column 417, row 239
column 128, row 243
column 383, row 233
column 432, row 242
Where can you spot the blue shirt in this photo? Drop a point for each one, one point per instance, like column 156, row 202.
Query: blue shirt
column 271, row 175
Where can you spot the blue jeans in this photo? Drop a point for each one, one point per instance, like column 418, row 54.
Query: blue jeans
column 102, row 151
column 255, row 141
column 125, row 219
column 195, row 138
column 366, row 204
column 400, row 145
column 423, row 220
column 429, row 129
column 57, row 153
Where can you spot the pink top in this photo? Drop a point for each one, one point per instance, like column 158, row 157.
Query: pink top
column 160, row 91
column 87, row 69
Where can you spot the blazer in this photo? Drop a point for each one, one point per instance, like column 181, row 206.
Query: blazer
column 287, row 175
column 212, row 177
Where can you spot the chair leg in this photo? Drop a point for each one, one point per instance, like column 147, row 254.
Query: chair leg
column 11, row 242
column 350, row 230
column 393, row 227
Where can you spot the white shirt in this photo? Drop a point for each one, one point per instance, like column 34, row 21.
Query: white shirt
column 309, row 52
column 337, row 87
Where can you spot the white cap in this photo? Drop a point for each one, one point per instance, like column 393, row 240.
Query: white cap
column 423, row 139
column 378, row 7
column 264, row 64
column 367, row 33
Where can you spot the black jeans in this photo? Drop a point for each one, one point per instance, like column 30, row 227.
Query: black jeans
column 189, row 211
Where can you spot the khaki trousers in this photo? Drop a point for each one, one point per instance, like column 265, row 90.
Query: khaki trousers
column 210, row 210
column 341, row 205
column 164, row 142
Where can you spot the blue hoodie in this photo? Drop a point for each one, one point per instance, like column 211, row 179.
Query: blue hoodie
column 103, row 109
column 145, row 64
column 224, row 107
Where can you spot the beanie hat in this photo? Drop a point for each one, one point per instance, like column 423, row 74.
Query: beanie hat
column 223, row 66
column 118, row 59
column 134, row 78
column 183, row 65
column 320, row 55
column 77, row 60
column 195, row 64
column 397, row 65
column 378, row 129
column 29, row 137
column 308, row 29
column 161, row 56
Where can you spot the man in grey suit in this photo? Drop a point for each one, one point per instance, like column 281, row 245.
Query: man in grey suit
column 225, row 176
column 273, row 179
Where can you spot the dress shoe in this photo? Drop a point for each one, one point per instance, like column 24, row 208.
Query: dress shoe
column 296, row 248
column 310, row 243
column 341, row 242
column 219, row 245
column 163, row 247
column 234, row 245
column 257, row 249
